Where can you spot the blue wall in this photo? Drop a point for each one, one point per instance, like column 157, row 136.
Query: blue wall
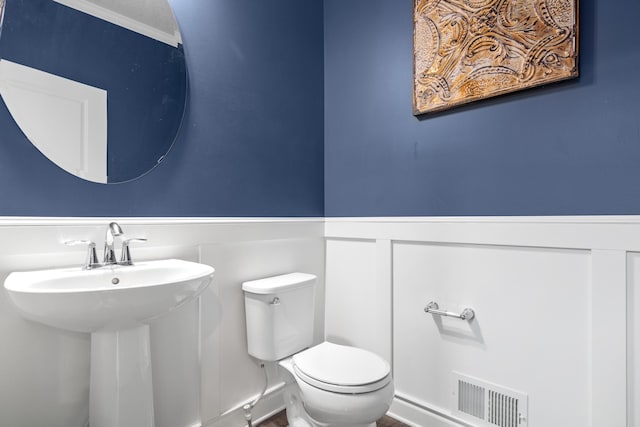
column 252, row 142
column 566, row 149
column 252, row 139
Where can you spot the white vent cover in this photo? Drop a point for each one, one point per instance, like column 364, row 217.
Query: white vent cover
column 486, row 404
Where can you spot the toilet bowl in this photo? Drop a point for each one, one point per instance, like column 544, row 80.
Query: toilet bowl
column 327, row 385
column 337, row 385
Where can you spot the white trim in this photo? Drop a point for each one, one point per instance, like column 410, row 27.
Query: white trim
column 330, row 221
column 172, row 39
column 12, row 221
column 384, row 287
column 270, row 404
column 633, row 341
column 598, row 219
column 421, row 414
column 608, row 338
column 588, row 232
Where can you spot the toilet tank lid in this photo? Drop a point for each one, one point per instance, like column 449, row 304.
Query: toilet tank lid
column 282, row 283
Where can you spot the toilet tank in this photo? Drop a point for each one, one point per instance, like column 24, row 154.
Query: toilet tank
column 279, row 312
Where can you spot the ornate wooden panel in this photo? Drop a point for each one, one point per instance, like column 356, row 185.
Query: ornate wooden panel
column 466, row 50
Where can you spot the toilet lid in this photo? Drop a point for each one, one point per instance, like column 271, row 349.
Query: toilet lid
column 342, row 369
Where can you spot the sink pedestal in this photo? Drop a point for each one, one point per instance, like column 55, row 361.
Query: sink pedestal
column 121, row 389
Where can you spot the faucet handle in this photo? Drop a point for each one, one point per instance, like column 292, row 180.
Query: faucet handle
column 125, row 257
column 92, row 257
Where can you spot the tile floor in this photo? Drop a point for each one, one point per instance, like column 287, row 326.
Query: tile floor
column 280, row 420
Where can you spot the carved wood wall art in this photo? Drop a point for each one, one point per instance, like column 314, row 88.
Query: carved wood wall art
column 466, row 50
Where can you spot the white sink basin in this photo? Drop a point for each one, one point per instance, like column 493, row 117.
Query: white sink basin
column 108, row 298
column 115, row 304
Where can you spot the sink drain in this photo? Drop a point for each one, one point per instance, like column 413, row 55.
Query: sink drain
column 115, row 280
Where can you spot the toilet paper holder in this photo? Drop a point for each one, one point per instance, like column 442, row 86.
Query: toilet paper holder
column 433, row 308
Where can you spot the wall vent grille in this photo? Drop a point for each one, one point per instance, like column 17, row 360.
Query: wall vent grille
column 488, row 405
column 503, row 410
column 471, row 399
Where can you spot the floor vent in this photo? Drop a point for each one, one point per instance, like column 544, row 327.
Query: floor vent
column 488, row 405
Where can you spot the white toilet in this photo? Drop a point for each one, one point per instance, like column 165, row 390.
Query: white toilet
column 327, row 385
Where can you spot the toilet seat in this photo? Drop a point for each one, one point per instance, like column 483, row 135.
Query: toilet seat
column 342, row 369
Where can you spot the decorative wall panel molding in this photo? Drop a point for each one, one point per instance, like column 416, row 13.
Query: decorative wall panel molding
column 567, row 287
column 466, row 50
column 202, row 373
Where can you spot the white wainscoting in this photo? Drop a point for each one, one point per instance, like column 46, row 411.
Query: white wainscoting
column 556, row 299
column 201, row 372
column 357, row 308
column 557, row 303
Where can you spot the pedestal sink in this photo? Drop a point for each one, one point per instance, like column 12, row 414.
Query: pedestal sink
column 115, row 304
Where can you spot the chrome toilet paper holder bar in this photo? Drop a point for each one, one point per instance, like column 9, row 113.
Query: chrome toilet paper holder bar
column 434, row 308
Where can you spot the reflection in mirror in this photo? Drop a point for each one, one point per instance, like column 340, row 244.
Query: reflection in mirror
column 98, row 86
column 1, row 14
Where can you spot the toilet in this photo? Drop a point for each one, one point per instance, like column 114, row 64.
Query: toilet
column 328, row 385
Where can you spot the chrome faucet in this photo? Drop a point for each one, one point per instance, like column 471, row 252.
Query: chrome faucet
column 113, row 230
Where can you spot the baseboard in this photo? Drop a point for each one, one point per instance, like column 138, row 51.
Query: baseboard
column 269, row 405
column 421, row 414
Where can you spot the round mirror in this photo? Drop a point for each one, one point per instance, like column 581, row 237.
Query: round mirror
column 98, row 86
